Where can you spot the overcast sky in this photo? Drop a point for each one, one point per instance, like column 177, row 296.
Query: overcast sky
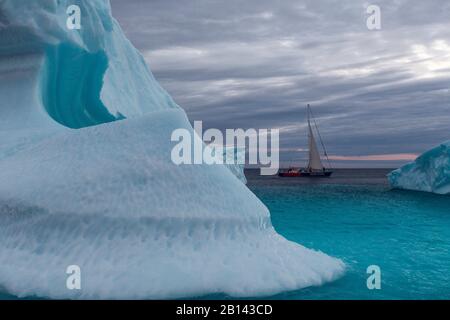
column 377, row 95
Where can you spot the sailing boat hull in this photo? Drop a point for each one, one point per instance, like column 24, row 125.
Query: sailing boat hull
column 302, row 174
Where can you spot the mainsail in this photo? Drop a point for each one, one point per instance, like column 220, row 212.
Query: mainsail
column 314, row 163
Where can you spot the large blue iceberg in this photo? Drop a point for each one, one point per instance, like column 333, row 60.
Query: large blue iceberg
column 86, row 177
column 430, row 172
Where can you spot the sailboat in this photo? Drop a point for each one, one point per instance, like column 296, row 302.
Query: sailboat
column 315, row 167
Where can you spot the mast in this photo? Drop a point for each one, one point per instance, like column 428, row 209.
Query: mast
column 314, row 163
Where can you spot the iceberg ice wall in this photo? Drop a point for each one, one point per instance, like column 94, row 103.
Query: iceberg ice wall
column 86, row 177
column 430, row 172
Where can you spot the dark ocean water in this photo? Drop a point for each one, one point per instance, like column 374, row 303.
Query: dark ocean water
column 340, row 176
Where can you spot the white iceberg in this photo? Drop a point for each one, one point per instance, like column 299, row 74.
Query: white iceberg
column 430, row 172
column 86, row 177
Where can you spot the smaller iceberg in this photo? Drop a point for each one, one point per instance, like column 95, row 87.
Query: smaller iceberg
column 430, row 172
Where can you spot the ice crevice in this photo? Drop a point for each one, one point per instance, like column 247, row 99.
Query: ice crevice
column 71, row 86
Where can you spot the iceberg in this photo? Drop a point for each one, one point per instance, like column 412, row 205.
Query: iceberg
column 430, row 172
column 86, row 177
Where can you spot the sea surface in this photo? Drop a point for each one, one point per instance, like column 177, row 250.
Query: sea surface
column 355, row 216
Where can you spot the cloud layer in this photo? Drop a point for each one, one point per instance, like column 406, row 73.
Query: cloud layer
column 257, row 63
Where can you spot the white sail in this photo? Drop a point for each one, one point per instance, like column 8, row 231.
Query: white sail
column 314, row 155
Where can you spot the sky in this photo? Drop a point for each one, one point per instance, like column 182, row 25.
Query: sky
column 380, row 97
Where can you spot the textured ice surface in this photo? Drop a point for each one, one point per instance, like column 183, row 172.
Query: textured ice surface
column 430, row 172
column 86, row 176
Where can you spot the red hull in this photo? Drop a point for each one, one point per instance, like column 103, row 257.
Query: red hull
column 295, row 174
column 290, row 174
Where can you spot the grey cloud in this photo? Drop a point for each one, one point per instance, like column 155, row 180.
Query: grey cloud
column 256, row 63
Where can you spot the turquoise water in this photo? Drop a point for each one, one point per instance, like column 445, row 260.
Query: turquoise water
column 407, row 234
